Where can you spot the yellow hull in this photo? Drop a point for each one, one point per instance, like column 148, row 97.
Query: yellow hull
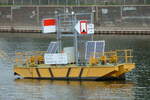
column 74, row 72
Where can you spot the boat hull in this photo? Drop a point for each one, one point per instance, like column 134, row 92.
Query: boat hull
column 75, row 72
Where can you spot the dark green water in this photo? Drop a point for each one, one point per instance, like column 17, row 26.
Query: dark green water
column 136, row 87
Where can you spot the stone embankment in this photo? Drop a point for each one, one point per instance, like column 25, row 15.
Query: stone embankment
column 111, row 19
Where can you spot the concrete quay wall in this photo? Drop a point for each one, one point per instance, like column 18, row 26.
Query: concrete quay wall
column 106, row 18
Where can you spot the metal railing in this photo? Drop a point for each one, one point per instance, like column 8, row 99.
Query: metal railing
column 72, row 2
column 106, row 18
column 127, row 55
column 121, row 56
column 29, row 58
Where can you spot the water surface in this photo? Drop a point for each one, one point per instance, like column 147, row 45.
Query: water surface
column 136, row 87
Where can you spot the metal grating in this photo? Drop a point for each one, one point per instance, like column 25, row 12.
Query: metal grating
column 94, row 48
column 53, row 47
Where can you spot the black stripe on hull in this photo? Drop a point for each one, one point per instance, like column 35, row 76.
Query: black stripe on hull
column 68, row 72
column 50, row 71
column 81, row 71
column 81, row 78
column 38, row 73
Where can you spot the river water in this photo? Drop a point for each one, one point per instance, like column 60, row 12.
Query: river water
column 136, row 87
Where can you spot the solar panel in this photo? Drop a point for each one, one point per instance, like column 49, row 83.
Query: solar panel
column 53, row 47
column 100, row 46
column 90, row 46
column 94, row 49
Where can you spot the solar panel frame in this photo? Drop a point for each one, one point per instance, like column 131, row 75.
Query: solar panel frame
column 53, row 47
column 94, row 47
column 99, row 48
column 88, row 43
column 49, row 47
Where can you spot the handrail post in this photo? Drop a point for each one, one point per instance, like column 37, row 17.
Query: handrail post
column 126, row 57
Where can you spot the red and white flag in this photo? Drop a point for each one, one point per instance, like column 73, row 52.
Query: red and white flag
column 49, row 25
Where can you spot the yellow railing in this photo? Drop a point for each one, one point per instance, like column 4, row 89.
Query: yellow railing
column 37, row 57
column 29, row 58
column 127, row 55
column 122, row 56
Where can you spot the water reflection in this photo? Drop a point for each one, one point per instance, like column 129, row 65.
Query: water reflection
column 109, row 84
column 75, row 90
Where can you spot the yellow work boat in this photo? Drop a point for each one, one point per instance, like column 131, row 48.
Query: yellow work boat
column 85, row 60
column 33, row 67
